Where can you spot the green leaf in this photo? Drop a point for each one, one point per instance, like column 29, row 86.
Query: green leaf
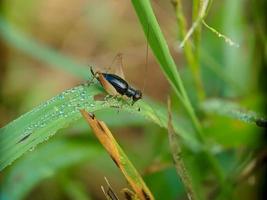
column 232, row 110
column 43, row 163
column 42, row 122
column 232, row 133
column 157, row 41
column 236, row 61
column 161, row 51
column 178, row 159
column 59, row 112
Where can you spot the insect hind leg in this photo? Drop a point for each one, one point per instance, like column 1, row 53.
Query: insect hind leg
column 94, row 76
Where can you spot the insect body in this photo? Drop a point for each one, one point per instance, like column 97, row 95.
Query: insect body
column 115, row 85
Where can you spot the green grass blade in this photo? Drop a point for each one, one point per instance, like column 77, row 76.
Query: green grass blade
column 233, row 110
column 201, row 14
column 42, row 122
column 45, row 120
column 43, row 163
column 161, row 51
column 191, row 54
column 178, row 158
column 38, row 51
column 157, row 41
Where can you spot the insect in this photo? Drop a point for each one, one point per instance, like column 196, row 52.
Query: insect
column 116, row 85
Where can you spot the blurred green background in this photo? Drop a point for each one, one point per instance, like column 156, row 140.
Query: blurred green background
column 46, row 47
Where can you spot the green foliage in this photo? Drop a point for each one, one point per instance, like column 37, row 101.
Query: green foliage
column 210, row 140
column 42, row 122
column 161, row 51
column 45, row 162
column 45, row 120
column 232, row 110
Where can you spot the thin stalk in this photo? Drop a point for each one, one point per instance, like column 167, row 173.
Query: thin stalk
column 197, row 32
column 191, row 56
column 178, row 158
column 161, row 51
column 195, row 68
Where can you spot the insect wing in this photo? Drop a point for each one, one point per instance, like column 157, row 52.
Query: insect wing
column 106, row 85
column 117, row 66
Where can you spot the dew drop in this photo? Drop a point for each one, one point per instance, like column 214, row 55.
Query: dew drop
column 122, row 160
column 42, row 125
column 61, row 96
column 72, row 90
column 32, row 148
column 83, row 93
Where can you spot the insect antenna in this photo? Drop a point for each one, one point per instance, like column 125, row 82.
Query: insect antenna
column 146, row 64
column 110, row 66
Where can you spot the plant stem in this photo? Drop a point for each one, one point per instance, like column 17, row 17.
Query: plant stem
column 178, row 158
column 161, row 51
column 191, row 56
column 193, row 62
column 198, row 29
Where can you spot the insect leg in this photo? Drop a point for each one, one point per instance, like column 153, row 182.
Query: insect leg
column 107, row 97
column 92, row 71
column 132, row 103
column 93, row 76
column 109, row 100
column 121, row 105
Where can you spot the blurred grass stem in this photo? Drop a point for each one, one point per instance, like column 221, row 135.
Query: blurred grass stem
column 161, row 51
column 192, row 57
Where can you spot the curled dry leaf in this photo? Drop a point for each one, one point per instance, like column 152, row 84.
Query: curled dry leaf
column 106, row 138
column 109, row 192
